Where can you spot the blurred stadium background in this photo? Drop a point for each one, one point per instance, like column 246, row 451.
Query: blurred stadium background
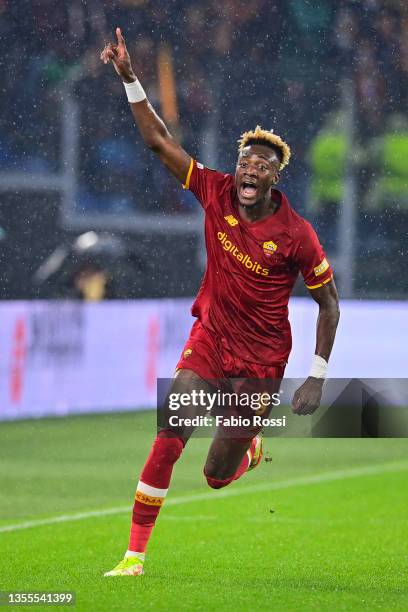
column 331, row 77
column 101, row 253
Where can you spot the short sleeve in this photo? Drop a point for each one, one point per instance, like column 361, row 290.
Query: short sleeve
column 311, row 258
column 205, row 184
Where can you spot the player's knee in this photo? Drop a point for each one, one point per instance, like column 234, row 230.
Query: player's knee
column 216, row 483
column 167, row 448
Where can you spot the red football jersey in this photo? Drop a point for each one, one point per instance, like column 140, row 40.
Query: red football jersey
column 252, row 268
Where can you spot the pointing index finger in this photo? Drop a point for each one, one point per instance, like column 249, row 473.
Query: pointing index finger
column 121, row 40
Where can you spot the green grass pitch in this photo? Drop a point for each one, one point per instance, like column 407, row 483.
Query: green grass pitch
column 321, row 527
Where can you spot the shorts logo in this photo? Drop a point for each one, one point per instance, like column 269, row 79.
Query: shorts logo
column 231, row 220
column 321, row 267
column 149, row 500
column 269, row 247
column 187, row 353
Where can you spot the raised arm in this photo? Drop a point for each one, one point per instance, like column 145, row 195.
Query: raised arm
column 152, row 128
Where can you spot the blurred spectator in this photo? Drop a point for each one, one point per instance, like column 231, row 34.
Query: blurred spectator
column 387, row 156
column 91, row 283
column 327, row 158
column 370, row 90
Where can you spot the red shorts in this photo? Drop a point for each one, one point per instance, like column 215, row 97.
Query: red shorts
column 210, row 357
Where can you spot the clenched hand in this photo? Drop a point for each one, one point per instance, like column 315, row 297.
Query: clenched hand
column 307, row 398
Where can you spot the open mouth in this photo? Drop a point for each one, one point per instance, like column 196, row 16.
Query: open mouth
column 248, row 190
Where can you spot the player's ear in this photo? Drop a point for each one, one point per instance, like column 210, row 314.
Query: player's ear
column 276, row 178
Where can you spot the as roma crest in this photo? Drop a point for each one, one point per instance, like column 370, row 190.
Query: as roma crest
column 269, row 247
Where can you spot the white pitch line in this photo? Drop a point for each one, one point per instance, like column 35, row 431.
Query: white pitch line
column 369, row 470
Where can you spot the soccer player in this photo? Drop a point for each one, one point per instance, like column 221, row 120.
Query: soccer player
column 256, row 247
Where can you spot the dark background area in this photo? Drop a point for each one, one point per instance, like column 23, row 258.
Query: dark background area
column 280, row 64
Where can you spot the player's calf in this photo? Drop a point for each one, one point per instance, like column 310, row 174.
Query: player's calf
column 152, row 488
column 154, row 483
column 150, row 495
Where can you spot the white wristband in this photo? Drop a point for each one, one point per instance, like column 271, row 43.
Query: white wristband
column 319, row 367
column 134, row 91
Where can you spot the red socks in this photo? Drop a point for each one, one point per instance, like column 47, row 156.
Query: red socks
column 152, row 488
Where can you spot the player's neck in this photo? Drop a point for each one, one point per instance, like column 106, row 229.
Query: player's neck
column 261, row 210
